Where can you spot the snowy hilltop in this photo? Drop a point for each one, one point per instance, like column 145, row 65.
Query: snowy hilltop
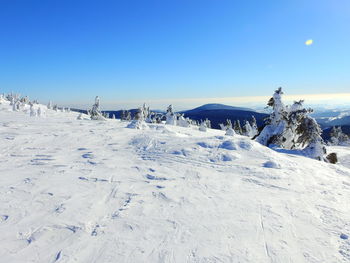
column 79, row 188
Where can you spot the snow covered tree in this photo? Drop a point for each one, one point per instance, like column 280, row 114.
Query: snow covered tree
column 296, row 113
column 203, row 126
column 292, row 128
column 247, row 129
column 254, row 126
column 337, row 137
column 24, row 100
column 113, row 116
column 237, row 127
column 128, row 116
column 182, row 121
column 226, row 126
column 40, row 112
column 230, row 132
column 276, row 123
column 49, row 105
column 170, row 116
column 123, row 115
column 16, row 106
column 95, row 112
column 33, row 112
column 139, row 114
column 310, row 135
column 208, row 123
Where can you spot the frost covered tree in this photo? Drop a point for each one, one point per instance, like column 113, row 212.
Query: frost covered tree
column 170, row 116
column 247, row 129
column 24, row 100
column 123, row 115
column 40, row 112
column 254, row 126
column 139, row 114
column 128, row 116
column 310, row 136
column 237, row 127
column 226, row 126
column 182, row 121
column 337, row 137
column 230, row 132
column 33, row 112
column 95, row 112
column 16, row 106
column 203, row 126
column 49, row 105
column 292, row 128
column 296, row 115
column 276, row 123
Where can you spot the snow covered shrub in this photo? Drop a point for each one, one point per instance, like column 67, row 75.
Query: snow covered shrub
column 80, row 116
column 204, row 125
column 182, row 121
column 137, row 124
column 230, row 132
column 170, row 116
column 95, row 112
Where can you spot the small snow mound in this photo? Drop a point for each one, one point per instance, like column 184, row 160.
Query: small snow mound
column 230, row 132
column 137, row 124
column 228, row 145
column 272, row 164
column 205, row 145
column 246, row 145
column 228, row 157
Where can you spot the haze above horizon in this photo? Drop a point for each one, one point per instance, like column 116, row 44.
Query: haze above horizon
column 182, row 51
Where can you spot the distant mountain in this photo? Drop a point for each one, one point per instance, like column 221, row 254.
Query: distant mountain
column 216, row 113
column 219, row 113
column 216, row 106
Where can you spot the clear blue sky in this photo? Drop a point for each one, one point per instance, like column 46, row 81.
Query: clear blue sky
column 69, row 50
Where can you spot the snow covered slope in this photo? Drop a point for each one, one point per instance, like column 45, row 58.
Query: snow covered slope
column 94, row 191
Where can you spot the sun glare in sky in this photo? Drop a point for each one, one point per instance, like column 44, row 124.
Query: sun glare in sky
column 309, row 42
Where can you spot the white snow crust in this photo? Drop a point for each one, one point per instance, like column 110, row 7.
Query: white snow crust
column 95, row 191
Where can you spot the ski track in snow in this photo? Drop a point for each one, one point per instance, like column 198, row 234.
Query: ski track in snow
column 94, row 191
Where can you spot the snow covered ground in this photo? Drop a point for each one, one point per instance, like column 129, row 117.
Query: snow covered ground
column 94, row 191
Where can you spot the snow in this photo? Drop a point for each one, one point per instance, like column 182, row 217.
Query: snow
column 95, row 191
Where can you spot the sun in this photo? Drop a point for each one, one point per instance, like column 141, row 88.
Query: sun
column 309, row 42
